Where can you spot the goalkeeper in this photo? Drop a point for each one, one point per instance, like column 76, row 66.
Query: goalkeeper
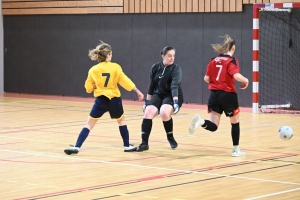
column 164, row 97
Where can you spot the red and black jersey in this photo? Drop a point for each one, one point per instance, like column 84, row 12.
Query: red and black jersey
column 220, row 71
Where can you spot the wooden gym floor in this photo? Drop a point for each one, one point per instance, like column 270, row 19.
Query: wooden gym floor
column 34, row 131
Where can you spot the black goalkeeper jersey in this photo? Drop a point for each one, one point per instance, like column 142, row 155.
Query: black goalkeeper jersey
column 165, row 81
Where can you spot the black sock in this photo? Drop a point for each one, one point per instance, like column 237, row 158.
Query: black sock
column 208, row 125
column 146, row 129
column 235, row 133
column 169, row 127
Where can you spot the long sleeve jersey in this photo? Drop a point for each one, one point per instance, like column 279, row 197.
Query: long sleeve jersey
column 165, row 81
column 103, row 79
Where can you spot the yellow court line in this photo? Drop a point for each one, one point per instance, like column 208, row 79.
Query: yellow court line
column 31, row 184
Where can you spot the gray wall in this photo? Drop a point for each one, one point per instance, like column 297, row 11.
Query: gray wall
column 1, row 53
column 48, row 54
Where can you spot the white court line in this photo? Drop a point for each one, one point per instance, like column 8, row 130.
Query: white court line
column 273, row 194
column 149, row 167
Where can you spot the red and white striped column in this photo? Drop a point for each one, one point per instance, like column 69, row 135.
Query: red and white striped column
column 255, row 70
column 255, row 55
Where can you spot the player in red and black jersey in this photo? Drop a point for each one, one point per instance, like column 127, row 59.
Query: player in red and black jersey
column 220, row 74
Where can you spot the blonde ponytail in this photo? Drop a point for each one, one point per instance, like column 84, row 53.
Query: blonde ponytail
column 225, row 46
column 100, row 52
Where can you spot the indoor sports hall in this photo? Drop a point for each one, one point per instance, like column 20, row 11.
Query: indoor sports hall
column 43, row 103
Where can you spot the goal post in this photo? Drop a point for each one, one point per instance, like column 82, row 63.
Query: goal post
column 276, row 57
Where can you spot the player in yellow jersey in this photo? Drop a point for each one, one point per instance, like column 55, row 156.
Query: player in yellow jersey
column 103, row 80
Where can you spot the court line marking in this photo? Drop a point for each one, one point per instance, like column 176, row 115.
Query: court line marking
column 100, row 136
column 152, row 167
column 273, row 194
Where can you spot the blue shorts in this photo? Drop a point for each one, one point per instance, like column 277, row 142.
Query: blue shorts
column 103, row 104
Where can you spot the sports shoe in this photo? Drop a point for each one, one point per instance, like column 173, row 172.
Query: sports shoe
column 142, row 147
column 237, row 152
column 130, row 148
column 172, row 142
column 195, row 123
column 72, row 150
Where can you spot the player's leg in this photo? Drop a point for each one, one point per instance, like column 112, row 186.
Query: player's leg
column 150, row 112
column 166, row 111
column 99, row 108
column 116, row 111
column 235, row 135
column 215, row 111
column 231, row 109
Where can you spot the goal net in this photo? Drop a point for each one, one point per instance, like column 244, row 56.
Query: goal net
column 278, row 60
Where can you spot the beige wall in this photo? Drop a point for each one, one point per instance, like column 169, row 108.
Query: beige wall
column 23, row 7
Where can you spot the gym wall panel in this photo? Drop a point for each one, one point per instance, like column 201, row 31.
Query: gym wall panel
column 149, row 37
column 187, row 39
column 49, row 54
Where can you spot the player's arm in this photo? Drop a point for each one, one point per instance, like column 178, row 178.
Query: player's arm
column 89, row 84
column 128, row 85
column 151, row 85
column 125, row 82
column 139, row 94
column 240, row 78
column 206, row 79
column 234, row 69
column 176, row 80
column 149, row 96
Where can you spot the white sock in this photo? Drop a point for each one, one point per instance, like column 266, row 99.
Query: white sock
column 236, row 147
column 202, row 121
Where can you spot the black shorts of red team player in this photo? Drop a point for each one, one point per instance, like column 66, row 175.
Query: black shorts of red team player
column 221, row 101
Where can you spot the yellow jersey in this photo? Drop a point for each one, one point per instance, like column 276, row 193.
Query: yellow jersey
column 103, row 79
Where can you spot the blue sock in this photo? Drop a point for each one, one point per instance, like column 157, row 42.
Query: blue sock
column 82, row 136
column 125, row 135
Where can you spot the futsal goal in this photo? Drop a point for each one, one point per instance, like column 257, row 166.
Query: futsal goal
column 276, row 58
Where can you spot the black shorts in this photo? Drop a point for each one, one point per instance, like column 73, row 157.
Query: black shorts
column 103, row 104
column 157, row 100
column 220, row 101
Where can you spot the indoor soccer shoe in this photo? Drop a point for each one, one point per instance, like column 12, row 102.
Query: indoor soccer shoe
column 71, row 150
column 130, row 148
column 142, row 147
column 195, row 123
column 237, row 152
column 172, row 142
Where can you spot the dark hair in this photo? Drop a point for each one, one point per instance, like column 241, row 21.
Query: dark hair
column 166, row 50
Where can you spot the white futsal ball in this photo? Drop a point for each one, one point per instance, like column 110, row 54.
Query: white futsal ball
column 285, row 132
